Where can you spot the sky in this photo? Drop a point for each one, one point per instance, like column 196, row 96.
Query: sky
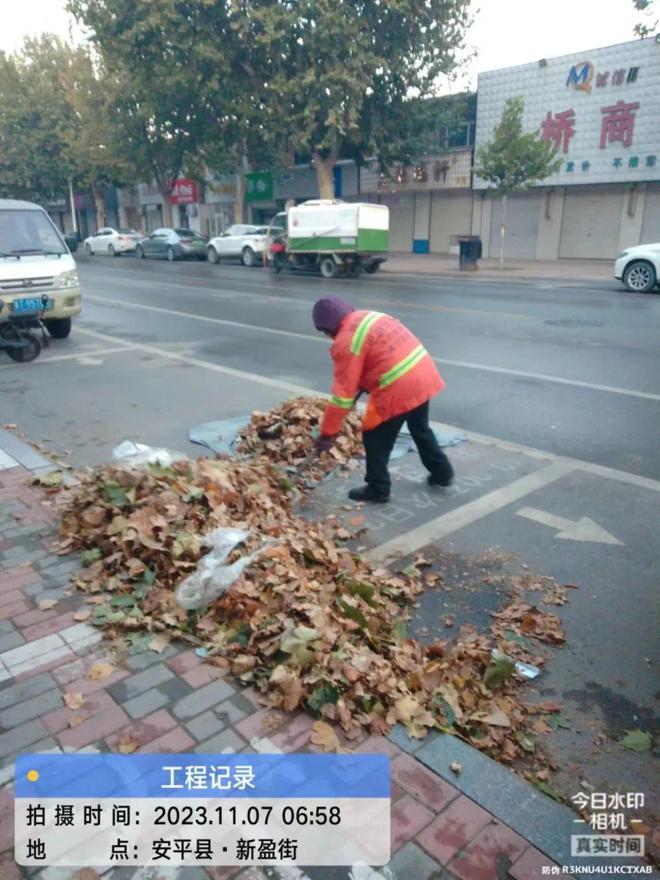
column 504, row 33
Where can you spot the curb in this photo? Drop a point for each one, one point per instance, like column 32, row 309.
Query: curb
column 14, row 452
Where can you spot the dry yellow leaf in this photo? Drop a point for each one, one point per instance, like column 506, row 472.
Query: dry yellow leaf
column 159, row 643
column 324, row 735
column 100, row 671
column 83, row 614
column 47, row 604
column 127, row 745
column 74, row 701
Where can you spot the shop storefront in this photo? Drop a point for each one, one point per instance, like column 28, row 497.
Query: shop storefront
column 600, row 108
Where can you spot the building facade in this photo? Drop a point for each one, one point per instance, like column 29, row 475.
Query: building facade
column 602, row 110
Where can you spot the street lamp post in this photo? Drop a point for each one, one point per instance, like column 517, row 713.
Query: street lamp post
column 73, row 207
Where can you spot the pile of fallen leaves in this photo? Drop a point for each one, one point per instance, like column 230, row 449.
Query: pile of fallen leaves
column 310, row 623
column 285, row 436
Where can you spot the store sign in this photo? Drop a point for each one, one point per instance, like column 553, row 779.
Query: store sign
column 600, row 112
column 259, row 186
column 184, row 192
column 450, row 171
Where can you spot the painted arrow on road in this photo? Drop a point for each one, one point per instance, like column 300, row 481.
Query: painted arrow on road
column 583, row 529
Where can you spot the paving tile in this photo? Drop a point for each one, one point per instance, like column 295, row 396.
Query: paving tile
column 205, row 725
column 99, row 701
column 184, row 662
column 145, row 703
column 10, row 640
column 145, row 730
column 16, row 693
column 34, row 654
column 412, row 863
column 453, row 829
column 176, row 740
column 6, row 818
column 98, row 727
column 489, row 855
column 530, row 865
column 10, row 597
column 19, row 713
column 201, row 675
column 81, row 634
column 231, row 711
column 7, row 612
column 222, row 743
column 21, row 737
column 399, row 736
column 378, row 745
column 544, row 823
column 9, row 870
column 32, row 617
column 54, row 625
column 294, row 734
column 138, row 662
column 408, row 818
column 202, row 699
column 264, row 722
column 422, row 784
column 141, row 682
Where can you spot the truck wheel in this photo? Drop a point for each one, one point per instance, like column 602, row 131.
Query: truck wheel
column 639, row 277
column 371, row 267
column 248, row 257
column 328, row 267
column 58, row 328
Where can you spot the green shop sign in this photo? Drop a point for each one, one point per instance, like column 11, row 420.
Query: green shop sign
column 259, row 186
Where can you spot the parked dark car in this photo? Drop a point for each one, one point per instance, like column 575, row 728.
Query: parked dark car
column 172, row 244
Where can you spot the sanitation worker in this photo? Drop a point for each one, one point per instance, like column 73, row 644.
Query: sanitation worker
column 375, row 353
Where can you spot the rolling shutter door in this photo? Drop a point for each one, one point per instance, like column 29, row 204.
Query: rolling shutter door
column 651, row 221
column 402, row 213
column 451, row 214
column 591, row 222
column 522, row 225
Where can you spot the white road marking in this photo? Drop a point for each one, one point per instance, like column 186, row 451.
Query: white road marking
column 40, row 361
column 542, row 377
column 583, row 529
column 482, row 439
column 456, row 519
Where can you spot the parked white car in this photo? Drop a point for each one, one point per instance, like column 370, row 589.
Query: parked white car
column 639, row 267
column 240, row 241
column 112, row 242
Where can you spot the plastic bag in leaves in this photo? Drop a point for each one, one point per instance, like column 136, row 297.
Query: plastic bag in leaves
column 133, row 454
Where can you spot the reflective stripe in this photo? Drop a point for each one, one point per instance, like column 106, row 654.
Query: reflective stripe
column 360, row 335
column 403, row 366
column 342, row 402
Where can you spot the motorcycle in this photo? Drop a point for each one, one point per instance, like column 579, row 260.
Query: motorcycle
column 278, row 256
column 16, row 337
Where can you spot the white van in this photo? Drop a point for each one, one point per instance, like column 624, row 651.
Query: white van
column 38, row 275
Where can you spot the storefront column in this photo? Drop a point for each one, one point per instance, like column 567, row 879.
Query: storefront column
column 550, row 217
column 632, row 215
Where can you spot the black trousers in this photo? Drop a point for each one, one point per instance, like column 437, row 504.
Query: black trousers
column 379, row 442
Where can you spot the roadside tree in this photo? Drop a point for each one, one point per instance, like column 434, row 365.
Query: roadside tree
column 514, row 159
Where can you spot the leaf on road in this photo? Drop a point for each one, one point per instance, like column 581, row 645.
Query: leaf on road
column 100, row 670
column 159, row 643
column 74, row 701
column 324, row 735
column 82, row 615
column 456, row 768
column 636, row 740
column 497, row 718
column 47, row 604
column 127, row 745
column 498, row 672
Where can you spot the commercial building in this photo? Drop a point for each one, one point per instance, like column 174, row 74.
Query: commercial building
column 601, row 109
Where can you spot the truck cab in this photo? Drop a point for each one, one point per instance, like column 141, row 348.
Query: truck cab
column 38, row 275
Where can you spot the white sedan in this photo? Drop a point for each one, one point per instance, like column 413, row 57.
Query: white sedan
column 639, row 267
column 112, row 242
column 240, row 241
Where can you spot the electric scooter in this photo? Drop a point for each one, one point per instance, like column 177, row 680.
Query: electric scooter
column 16, row 337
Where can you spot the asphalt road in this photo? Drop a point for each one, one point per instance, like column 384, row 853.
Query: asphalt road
column 568, row 368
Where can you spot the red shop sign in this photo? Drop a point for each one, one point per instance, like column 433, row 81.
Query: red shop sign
column 184, row 192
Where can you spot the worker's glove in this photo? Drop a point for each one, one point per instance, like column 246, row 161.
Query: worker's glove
column 323, row 444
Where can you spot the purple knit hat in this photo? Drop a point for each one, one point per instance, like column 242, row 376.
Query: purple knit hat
column 329, row 312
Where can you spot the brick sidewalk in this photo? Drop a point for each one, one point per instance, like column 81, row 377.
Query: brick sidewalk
column 174, row 702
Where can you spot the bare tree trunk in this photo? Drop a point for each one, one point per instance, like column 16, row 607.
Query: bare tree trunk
column 99, row 204
column 503, row 229
column 239, row 202
column 325, row 175
column 167, row 208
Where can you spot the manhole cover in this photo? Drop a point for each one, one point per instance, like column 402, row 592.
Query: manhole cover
column 574, row 322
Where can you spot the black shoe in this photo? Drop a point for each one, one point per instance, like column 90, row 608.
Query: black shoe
column 368, row 493
column 432, row 481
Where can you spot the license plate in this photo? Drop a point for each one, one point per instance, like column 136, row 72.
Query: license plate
column 29, row 304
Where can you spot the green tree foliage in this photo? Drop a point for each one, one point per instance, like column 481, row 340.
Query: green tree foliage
column 649, row 25
column 514, row 159
column 345, row 73
column 36, row 161
column 169, row 69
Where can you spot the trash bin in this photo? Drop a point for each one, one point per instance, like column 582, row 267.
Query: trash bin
column 469, row 251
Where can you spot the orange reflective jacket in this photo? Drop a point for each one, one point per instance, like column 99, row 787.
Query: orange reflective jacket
column 374, row 352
